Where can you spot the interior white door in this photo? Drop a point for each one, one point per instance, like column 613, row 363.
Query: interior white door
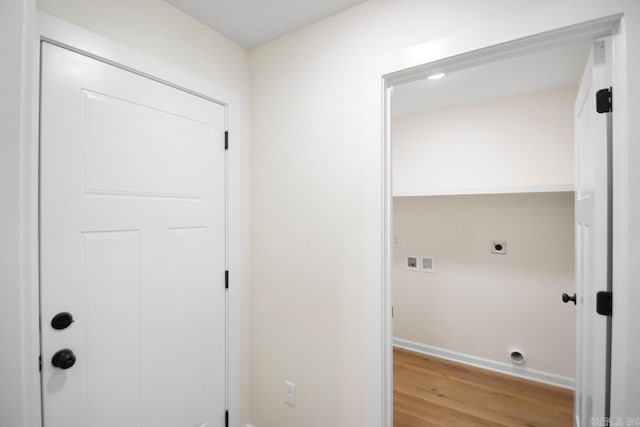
column 592, row 212
column 132, row 246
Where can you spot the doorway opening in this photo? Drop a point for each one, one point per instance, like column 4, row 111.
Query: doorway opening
column 484, row 222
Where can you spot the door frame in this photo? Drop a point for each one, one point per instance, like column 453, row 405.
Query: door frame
column 61, row 33
column 20, row 395
column 536, row 30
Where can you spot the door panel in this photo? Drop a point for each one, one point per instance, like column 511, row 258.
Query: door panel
column 592, row 242
column 112, row 291
column 133, row 246
column 123, row 135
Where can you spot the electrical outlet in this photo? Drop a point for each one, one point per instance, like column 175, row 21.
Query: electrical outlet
column 498, row 247
column 289, row 393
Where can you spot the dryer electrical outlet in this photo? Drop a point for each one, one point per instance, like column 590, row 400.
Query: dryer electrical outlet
column 498, row 247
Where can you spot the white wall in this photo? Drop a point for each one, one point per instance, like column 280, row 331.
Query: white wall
column 308, row 286
column 479, row 303
column 523, row 141
column 159, row 30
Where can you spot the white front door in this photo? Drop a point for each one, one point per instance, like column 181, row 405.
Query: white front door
column 593, row 267
column 132, row 247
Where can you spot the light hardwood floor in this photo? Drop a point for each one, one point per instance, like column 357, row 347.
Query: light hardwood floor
column 434, row 392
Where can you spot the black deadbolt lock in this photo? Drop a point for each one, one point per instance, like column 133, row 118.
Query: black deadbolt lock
column 63, row 359
column 498, row 247
column 566, row 298
column 62, row 320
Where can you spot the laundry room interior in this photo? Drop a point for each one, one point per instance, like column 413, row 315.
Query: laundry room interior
column 483, row 215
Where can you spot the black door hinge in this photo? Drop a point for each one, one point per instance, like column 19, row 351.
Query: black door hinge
column 604, row 303
column 226, row 139
column 226, row 279
column 40, row 363
column 604, row 100
column 226, row 418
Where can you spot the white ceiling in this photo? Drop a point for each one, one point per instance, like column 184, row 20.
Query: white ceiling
column 254, row 22
column 527, row 73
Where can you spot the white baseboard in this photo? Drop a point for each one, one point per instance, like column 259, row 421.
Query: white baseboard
column 491, row 365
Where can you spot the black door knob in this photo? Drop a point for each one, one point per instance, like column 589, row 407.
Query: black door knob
column 61, row 321
column 63, row 359
column 566, row 298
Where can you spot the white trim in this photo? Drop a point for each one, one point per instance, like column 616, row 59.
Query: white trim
column 488, row 364
column 625, row 345
column 541, row 28
column 63, row 33
column 20, row 392
column 487, row 190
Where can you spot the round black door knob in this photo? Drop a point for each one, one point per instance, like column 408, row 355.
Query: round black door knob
column 566, row 298
column 62, row 320
column 63, row 359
